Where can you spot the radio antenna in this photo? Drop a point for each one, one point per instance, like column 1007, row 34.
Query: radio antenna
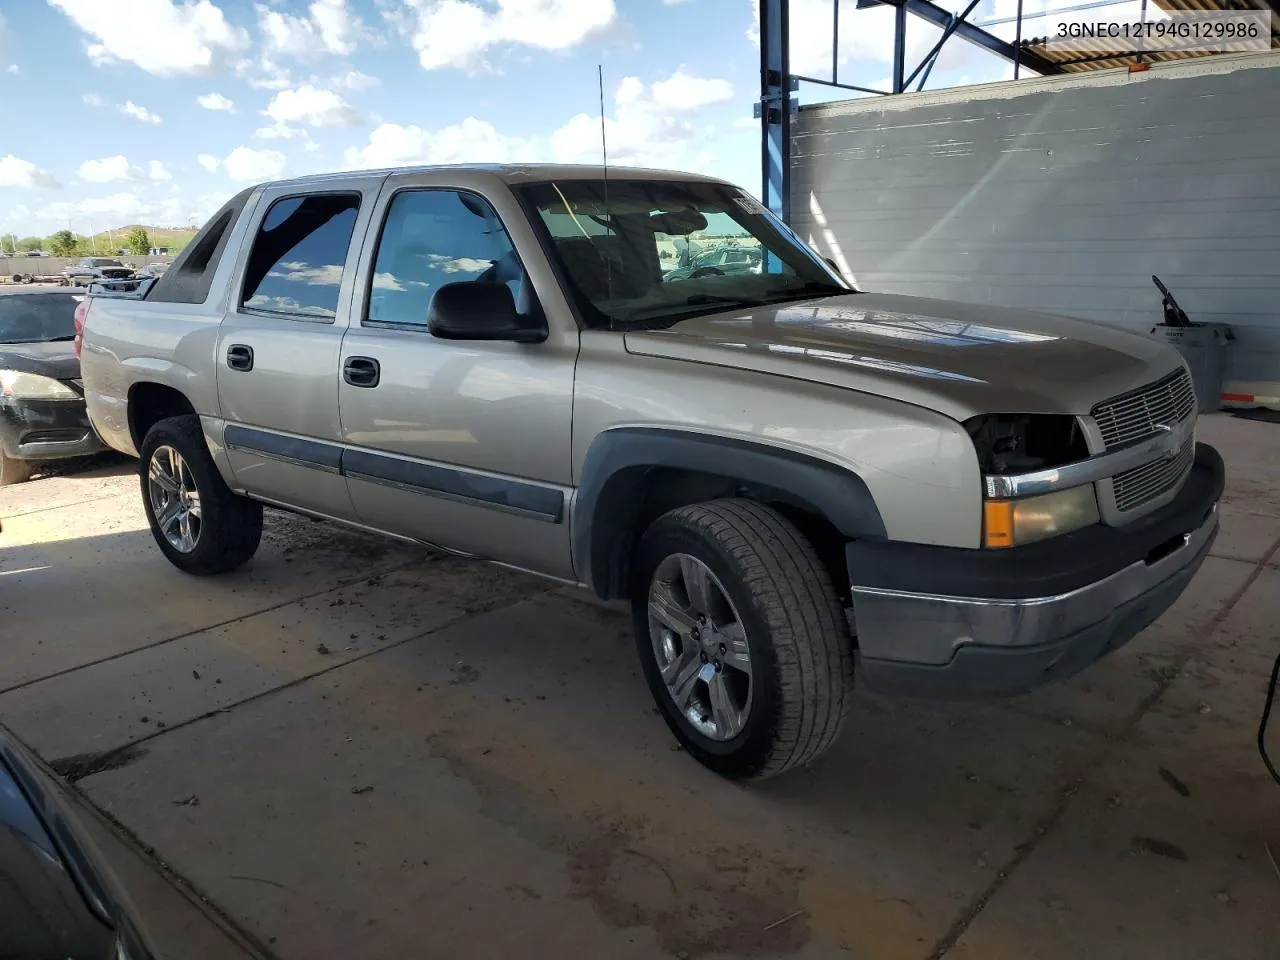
column 608, row 213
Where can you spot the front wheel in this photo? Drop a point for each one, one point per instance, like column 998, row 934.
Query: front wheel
column 198, row 523
column 742, row 638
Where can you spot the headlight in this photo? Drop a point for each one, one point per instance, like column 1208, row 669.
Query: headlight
column 32, row 386
column 1014, row 523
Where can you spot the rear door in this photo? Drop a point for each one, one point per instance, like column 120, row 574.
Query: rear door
column 461, row 443
column 280, row 341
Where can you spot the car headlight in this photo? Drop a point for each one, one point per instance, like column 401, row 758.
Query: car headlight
column 32, row 386
column 1014, row 523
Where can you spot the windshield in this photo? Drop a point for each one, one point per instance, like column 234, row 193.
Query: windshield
column 101, row 262
column 659, row 251
column 34, row 318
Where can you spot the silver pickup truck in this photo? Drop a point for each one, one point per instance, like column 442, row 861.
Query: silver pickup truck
column 796, row 484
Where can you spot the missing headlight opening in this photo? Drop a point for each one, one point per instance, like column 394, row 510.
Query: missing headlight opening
column 1009, row 443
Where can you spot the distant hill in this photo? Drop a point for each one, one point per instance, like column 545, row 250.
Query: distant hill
column 175, row 238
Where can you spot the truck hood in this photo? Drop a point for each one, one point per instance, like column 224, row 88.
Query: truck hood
column 955, row 358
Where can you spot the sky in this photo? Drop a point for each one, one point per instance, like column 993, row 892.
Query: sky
column 161, row 109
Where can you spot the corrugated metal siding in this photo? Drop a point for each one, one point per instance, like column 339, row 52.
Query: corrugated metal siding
column 1064, row 198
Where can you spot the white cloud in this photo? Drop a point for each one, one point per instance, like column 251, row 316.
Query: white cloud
column 330, row 27
column 131, row 109
column 16, row 172
column 109, row 170
column 459, row 33
column 116, row 169
column 208, row 161
column 355, row 80
column 247, row 164
column 652, row 125
column 125, row 207
column 160, row 36
column 279, row 131
column 312, row 106
column 393, row 145
column 92, row 99
column 683, row 91
column 13, row 68
column 216, row 101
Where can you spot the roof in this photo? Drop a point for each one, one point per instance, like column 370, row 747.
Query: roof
column 1090, row 54
column 512, row 173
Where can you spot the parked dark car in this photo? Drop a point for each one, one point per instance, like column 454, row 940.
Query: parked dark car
column 58, row 899
column 42, row 415
column 97, row 268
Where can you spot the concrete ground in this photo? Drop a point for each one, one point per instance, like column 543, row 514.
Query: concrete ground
column 350, row 749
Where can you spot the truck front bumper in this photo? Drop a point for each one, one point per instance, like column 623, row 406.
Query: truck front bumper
column 948, row 623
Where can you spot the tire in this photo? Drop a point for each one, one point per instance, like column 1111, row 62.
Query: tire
column 796, row 634
column 229, row 526
column 13, row 471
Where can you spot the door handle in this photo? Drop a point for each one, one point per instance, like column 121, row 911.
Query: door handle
column 240, row 357
column 361, row 371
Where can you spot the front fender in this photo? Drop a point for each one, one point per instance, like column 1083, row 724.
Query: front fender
column 610, row 490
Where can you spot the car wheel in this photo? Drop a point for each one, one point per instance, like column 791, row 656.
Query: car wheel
column 199, row 524
column 13, row 471
column 742, row 638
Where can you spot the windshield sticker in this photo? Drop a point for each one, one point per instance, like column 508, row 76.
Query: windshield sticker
column 750, row 205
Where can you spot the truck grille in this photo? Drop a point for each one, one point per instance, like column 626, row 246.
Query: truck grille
column 1137, row 486
column 1133, row 416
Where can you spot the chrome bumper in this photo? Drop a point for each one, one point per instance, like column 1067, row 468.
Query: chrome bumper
column 963, row 647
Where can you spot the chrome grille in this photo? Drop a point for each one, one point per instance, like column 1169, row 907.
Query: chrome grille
column 1133, row 416
column 1137, row 486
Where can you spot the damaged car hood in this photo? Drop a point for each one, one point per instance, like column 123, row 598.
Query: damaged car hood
column 957, row 359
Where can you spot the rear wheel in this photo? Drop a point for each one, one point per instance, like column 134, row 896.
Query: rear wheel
column 13, row 471
column 742, row 638
column 198, row 523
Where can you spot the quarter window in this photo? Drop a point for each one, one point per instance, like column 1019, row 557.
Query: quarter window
column 298, row 257
column 434, row 237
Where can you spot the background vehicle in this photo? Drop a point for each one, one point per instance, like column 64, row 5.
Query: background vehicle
column 58, row 899
column 42, row 413
column 782, row 474
column 722, row 261
column 97, row 268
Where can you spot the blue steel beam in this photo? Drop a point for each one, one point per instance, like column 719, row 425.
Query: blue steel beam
column 926, row 10
column 775, row 106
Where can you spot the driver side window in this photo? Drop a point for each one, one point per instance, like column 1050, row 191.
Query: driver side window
column 434, row 237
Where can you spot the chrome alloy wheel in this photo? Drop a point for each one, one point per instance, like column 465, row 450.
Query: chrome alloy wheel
column 175, row 501
column 700, row 645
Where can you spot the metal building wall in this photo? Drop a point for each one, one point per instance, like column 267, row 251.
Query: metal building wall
column 1064, row 194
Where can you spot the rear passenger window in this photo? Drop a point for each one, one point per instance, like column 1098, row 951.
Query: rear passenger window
column 295, row 266
column 434, row 237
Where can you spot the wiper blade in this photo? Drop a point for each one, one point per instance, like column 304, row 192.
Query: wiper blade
column 69, row 336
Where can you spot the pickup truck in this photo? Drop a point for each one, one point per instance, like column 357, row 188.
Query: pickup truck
column 91, row 269
column 797, row 485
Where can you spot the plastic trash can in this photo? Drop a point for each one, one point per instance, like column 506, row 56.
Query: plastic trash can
column 1204, row 346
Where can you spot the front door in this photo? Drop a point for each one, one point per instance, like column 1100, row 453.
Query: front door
column 461, row 443
column 279, row 344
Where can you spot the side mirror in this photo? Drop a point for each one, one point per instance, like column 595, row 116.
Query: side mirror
column 480, row 311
